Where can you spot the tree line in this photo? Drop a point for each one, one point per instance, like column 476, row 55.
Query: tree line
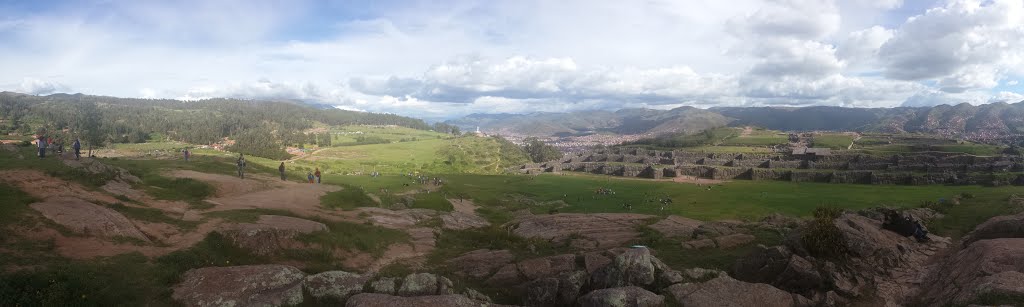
column 260, row 128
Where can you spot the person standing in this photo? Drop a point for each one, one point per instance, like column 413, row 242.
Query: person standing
column 41, row 143
column 281, row 170
column 77, row 146
column 309, row 177
column 317, row 174
column 241, row 166
column 187, row 153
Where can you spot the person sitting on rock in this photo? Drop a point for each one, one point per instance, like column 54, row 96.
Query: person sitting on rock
column 920, row 233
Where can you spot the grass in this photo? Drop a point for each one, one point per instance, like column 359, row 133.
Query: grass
column 670, row 250
column 733, row 200
column 961, row 219
column 346, row 135
column 52, row 166
column 368, row 238
column 13, row 205
column 759, row 137
column 348, row 198
column 833, row 141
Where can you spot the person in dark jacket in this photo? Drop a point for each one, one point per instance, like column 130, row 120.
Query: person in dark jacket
column 281, row 170
column 77, row 146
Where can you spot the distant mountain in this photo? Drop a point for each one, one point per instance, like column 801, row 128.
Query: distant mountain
column 625, row 121
column 988, row 120
column 964, row 120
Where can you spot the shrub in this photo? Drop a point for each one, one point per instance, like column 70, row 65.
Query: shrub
column 821, row 238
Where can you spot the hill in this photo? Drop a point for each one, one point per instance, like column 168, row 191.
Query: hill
column 988, row 122
column 625, row 121
column 260, row 128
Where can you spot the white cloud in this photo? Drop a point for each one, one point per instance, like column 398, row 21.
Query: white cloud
column 42, row 87
column 454, row 58
column 967, row 44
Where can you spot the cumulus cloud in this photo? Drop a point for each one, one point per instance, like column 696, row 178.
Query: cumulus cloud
column 42, row 87
column 446, row 60
column 967, row 44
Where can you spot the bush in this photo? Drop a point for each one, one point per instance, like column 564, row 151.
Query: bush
column 821, row 238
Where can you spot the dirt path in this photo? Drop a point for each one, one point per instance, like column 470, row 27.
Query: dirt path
column 228, row 185
column 463, row 205
column 43, row 186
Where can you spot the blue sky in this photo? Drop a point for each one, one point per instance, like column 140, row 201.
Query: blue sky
column 440, row 60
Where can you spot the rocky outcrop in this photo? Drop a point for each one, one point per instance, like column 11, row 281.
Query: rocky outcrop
column 1008, row 226
column 622, row 297
column 386, row 285
column 270, row 234
column 420, row 284
column 461, row 220
column 589, row 231
column 779, row 267
column 733, row 240
column 676, row 226
column 86, row 218
column 560, row 290
column 334, row 285
column 252, row 285
column 985, row 267
column 725, row 291
column 384, row 300
column 480, row 263
column 634, row 267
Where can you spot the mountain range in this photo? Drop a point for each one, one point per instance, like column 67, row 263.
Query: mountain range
column 993, row 120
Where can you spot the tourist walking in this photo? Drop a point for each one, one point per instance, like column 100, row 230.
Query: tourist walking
column 280, row 169
column 77, row 146
column 241, row 166
column 309, row 177
column 41, row 143
column 317, row 174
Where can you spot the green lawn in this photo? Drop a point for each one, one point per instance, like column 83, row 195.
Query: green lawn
column 759, row 137
column 732, row 200
column 834, row 141
column 347, row 135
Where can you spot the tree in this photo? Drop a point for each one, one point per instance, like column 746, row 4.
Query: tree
column 540, row 151
column 87, row 124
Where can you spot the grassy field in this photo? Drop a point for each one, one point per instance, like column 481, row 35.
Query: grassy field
column 733, row 200
column 758, row 137
column 834, row 141
column 349, row 135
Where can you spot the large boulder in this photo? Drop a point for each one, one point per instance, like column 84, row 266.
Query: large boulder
column 420, row 284
column 86, row 218
column 555, row 291
column 634, row 267
column 386, row 285
column 384, row 300
column 779, row 267
column 547, row 266
column 587, row 231
column 621, row 297
column 462, row 220
column 480, row 263
column 676, row 226
column 334, row 285
column 725, row 291
column 985, row 267
column 270, row 233
column 865, row 238
column 734, row 240
column 251, row 285
column 1007, row 226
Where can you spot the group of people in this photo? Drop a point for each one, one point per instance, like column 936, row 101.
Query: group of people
column 311, row 177
column 57, row 146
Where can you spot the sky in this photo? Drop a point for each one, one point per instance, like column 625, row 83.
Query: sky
column 446, row 59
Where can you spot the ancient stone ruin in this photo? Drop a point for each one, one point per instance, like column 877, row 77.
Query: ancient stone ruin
column 908, row 168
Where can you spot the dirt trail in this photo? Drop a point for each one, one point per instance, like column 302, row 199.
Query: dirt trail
column 228, row 185
column 463, row 205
